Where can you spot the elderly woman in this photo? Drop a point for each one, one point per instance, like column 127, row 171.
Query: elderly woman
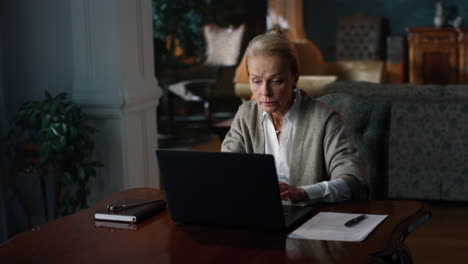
column 315, row 160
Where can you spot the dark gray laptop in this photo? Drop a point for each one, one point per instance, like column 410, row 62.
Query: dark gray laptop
column 228, row 189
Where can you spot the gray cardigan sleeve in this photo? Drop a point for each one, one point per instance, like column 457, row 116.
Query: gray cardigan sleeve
column 342, row 159
column 235, row 139
column 246, row 133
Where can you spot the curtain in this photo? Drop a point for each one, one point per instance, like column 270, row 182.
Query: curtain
column 3, row 164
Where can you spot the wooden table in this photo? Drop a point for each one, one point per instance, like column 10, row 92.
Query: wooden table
column 76, row 239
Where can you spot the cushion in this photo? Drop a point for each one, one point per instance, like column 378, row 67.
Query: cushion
column 313, row 85
column 369, row 71
column 222, row 44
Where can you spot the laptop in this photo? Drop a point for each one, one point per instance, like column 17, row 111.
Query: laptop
column 226, row 189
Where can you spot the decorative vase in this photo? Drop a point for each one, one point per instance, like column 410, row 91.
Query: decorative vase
column 439, row 19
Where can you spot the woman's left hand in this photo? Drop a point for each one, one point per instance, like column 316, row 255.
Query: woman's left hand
column 293, row 194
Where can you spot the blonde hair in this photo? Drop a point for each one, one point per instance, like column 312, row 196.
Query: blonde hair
column 273, row 43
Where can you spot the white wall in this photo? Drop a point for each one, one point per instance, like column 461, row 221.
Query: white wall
column 38, row 45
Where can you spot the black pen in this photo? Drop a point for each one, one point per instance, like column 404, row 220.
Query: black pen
column 119, row 207
column 354, row 221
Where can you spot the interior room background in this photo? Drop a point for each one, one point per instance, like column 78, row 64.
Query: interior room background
column 36, row 48
column 320, row 17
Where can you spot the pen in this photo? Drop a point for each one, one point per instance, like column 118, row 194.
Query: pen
column 354, row 221
column 118, row 207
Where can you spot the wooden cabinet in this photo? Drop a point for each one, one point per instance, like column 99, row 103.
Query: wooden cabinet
column 437, row 55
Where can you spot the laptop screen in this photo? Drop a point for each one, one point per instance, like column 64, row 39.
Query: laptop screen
column 216, row 188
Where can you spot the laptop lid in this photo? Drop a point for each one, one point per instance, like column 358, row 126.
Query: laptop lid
column 216, row 188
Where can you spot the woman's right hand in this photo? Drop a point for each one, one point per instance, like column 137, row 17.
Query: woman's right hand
column 292, row 194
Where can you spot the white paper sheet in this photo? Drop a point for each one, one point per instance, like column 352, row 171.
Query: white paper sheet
column 330, row 226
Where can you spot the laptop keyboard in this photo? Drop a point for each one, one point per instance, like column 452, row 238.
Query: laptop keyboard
column 289, row 210
column 294, row 213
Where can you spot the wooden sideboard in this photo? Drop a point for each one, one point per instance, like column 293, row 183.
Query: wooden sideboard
column 437, row 55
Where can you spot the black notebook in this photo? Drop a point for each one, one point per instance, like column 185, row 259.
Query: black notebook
column 131, row 215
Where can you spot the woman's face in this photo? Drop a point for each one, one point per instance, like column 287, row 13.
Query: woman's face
column 271, row 82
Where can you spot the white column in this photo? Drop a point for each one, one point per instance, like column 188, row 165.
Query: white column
column 114, row 81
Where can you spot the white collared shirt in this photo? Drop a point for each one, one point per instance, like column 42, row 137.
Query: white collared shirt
column 336, row 190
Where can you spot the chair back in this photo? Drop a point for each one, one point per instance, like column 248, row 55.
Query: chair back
column 368, row 125
column 359, row 37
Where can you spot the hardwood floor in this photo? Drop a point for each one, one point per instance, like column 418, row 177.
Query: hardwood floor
column 443, row 239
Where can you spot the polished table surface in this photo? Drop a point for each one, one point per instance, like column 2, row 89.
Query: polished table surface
column 76, row 239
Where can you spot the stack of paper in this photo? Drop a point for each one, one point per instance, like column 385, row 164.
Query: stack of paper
column 331, row 226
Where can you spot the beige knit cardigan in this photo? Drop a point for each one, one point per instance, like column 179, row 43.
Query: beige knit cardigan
column 321, row 149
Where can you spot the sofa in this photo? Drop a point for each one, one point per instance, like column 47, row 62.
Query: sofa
column 414, row 137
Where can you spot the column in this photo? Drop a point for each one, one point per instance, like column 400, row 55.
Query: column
column 114, row 82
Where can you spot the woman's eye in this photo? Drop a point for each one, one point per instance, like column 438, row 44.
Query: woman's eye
column 256, row 81
column 277, row 81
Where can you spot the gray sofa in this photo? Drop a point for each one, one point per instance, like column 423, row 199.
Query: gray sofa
column 414, row 137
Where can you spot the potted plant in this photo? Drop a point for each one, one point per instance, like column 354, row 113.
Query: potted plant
column 65, row 141
column 177, row 29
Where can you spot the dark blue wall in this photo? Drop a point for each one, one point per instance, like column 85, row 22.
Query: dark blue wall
column 320, row 16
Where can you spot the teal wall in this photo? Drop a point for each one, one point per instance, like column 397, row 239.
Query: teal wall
column 320, row 17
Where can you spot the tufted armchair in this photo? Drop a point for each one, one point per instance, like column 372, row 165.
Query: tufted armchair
column 368, row 123
column 359, row 49
column 359, row 37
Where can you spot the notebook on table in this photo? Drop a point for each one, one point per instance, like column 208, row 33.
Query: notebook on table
column 133, row 214
column 227, row 189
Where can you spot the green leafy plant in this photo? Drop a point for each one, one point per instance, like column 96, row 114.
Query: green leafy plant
column 61, row 130
column 179, row 20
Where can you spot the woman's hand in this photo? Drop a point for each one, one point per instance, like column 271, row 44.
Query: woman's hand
column 293, row 194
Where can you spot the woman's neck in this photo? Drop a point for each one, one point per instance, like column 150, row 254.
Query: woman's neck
column 277, row 117
column 283, row 112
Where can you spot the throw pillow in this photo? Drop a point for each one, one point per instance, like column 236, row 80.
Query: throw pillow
column 222, row 44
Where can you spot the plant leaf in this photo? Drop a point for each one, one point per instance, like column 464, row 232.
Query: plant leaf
column 55, row 131
column 81, row 173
